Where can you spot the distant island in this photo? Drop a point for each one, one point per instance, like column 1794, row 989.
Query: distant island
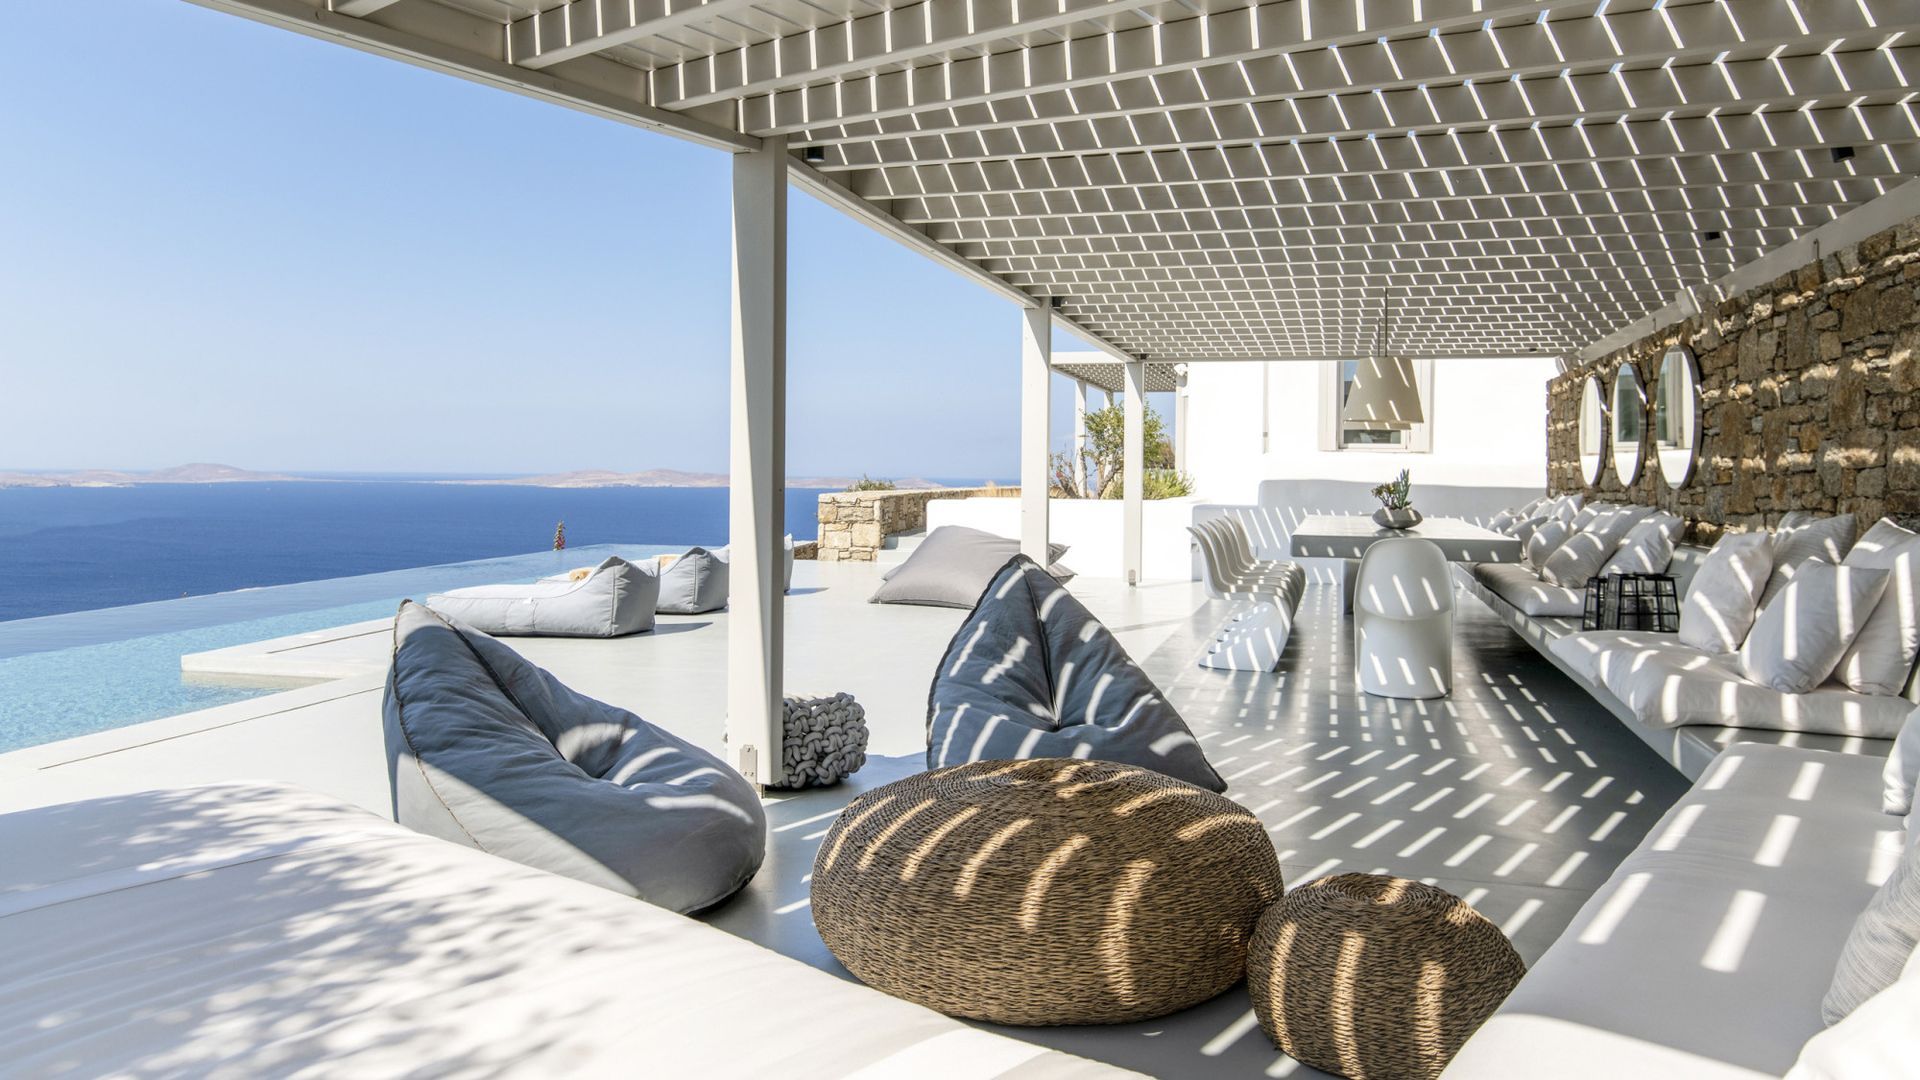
column 204, row 473
column 197, row 473
column 605, row 478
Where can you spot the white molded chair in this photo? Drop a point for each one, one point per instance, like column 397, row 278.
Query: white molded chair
column 1403, row 620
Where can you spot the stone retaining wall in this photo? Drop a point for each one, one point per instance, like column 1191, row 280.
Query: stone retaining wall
column 1810, row 397
column 854, row 525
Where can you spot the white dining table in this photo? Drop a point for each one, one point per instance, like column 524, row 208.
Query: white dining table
column 1348, row 536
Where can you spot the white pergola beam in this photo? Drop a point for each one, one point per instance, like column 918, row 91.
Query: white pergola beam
column 756, row 495
column 1270, row 100
column 1036, row 387
column 1132, row 472
column 361, row 8
column 758, row 73
column 1278, row 171
column 1269, row 35
column 457, row 42
column 583, row 27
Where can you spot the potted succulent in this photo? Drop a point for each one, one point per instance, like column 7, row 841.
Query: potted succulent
column 1396, row 503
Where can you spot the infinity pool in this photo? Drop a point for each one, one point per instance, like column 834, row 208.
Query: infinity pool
column 68, row 675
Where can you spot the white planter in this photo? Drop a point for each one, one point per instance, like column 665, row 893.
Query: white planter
column 1091, row 529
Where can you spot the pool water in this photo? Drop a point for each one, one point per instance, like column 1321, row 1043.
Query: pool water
column 67, row 675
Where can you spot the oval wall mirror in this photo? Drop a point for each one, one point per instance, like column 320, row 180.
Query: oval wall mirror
column 1593, row 429
column 1629, row 424
column 1676, row 416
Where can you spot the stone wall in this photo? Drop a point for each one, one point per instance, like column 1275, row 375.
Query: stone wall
column 1810, row 397
column 854, row 525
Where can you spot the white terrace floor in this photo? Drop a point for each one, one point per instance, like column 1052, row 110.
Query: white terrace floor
column 1518, row 792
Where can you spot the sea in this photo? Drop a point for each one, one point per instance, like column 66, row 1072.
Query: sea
column 72, row 549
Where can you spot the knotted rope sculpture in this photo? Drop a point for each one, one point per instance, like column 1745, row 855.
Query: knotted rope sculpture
column 826, row 740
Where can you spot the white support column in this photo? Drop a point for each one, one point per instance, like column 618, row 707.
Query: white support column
column 1180, row 419
column 756, row 496
column 1132, row 470
column 1080, row 435
column 1036, row 385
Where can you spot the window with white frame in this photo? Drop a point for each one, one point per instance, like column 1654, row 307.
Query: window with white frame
column 1336, row 382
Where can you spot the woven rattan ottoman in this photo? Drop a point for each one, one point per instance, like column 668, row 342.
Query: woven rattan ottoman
column 1373, row 977
column 1048, row 891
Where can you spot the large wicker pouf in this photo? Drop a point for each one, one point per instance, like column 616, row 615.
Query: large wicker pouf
column 1049, row 891
column 1374, row 977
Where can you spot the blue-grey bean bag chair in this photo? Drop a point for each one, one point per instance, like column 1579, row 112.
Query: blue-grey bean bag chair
column 1032, row 674
column 487, row 750
column 616, row 598
column 696, row 582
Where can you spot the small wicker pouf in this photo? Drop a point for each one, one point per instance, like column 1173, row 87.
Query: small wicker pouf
column 1374, row 977
column 1048, row 891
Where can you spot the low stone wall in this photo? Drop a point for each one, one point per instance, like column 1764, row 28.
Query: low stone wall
column 1810, row 397
column 854, row 525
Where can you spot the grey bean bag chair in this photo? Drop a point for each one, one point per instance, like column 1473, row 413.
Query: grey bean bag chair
column 487, row 750
column 616, row 598
column 725, row 555
column 952, row 565
column 695, row 582
column 1032, row 674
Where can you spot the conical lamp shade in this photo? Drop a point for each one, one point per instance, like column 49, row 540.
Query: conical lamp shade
column 1385, row 396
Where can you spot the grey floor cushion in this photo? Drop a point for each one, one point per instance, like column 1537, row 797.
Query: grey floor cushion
column 487, row 750
column 1032, row 674
column 617, row 597
column 695, row 582
column 952, row 565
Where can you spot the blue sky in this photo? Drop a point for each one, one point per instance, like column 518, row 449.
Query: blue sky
column 226, row 242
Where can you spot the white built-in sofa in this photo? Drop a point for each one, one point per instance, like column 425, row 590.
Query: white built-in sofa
column 1707, row 953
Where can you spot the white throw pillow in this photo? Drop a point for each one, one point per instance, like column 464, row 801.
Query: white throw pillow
column 1799, row 639
column 1502, row 521
column 1566, row 506
column 1524, row 529
column 1544, row 541
column 1648, row 546
column 1719, row 606
column 1876, row 1040
column 1801, row 537
column 1586, row 551
column 1881, row 659
column 1880, row 945
column 1902, row 770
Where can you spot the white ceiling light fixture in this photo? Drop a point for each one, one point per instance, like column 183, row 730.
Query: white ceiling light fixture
column 1385, row 394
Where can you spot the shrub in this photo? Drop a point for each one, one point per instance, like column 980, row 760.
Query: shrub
column 868, row 483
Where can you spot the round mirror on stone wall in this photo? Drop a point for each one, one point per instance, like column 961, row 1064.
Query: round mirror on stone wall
column 1676, row 416
column 1629, row 424
column 1593, row 429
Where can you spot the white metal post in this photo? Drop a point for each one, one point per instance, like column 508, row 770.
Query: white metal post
column 1036, row 383
column 1133, row 468
column 756, row 496
column 1180, row 419
column 1080, row 435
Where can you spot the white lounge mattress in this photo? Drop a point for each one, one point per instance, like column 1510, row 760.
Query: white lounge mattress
column 250, row 930
column 1707, row 952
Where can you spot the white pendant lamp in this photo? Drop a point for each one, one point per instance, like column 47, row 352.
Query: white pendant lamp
column 1385, row 394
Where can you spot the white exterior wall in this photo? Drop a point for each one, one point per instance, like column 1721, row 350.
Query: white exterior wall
column 1488, row 419
column 1091, row 528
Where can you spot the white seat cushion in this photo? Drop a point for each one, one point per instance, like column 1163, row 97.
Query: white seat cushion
column 1670, row 684
column 1520, row 587
column 1881, row 657
column 259, row 930
column 1592, row 652
column 1705, row 955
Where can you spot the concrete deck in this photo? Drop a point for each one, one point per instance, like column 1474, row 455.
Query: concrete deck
column 1518, row 792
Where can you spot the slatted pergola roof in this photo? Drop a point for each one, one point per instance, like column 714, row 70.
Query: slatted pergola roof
column 1216, row 179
